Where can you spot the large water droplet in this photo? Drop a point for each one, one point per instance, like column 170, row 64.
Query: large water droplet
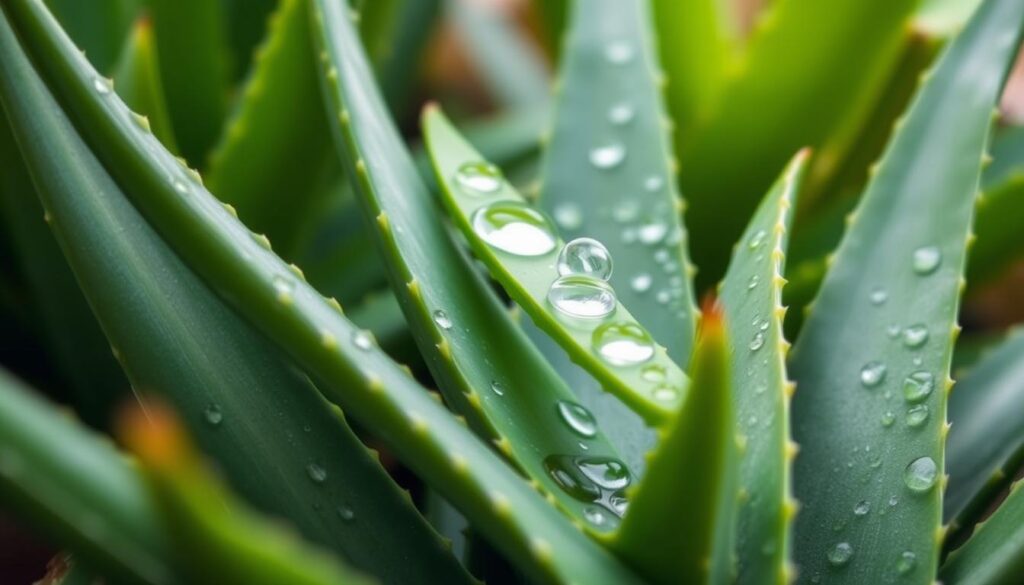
column 605, row 472
column 585, row 257
column 872, row 374
column 596, row 480
column 514, row 227
column 619, row 53
column 582, row 297
column 479, row 178
column 906, row 563
column 917, row 415
column 442, row 320
column 840, row 554
column 579, row 419
column 568, row 216
column 620, row 114
column 927, row 259
column 918, row 386
column 915, row 336
column 623, row 344
column 641, row 282
column 920, row 474
column 607, row 156
column 316, row 473
column 213, row 415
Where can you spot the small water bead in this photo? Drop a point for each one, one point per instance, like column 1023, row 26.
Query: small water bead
column 498, row 388
column 442, row 320
column 917, row 415
column 840, row 554
column 920, row 474
column 757, row 239
column 653, row 373
column 753, row 282
column 346, row 513
column 918, row 386
column 652, row 232
column 663, row 297
column 213, row 415
column 915, row 336
column 568, row 216
column 625, row 211
column 665, row 394
column 180, row 186
column 653, row 183
column 595, row 515
column 608, row 156
column 582, row 297
column 888, row 418
column 585, row 257
column 362, row 340
column 862, row 508
column 621, row 114
column 284, row 287
column 102, row 86
column 872, row 374
column 579, row 419
column 893, row 500
column 893, row 331
column 926, row 259
column 479, row 178
column 316, row 473
column 906, row 563
column 641, row 282
column 516, row 228
column 757, row 342
column 878, row 296
column 619, row 53
column 623, row 344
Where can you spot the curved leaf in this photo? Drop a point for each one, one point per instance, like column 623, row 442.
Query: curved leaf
column 137, row 77
column 995, row 554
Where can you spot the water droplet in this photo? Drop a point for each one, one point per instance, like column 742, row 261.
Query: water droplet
column 625, row 211
column 888, row 418
column 840, row 554
column 915, row 335
column 641, row 282
column 653, row 373
column 652, row 232
column 213, row 415
column 607, row 156
column 605, row 472
column 284, row 287
column 479, row 178
column 346, row 513
column 872, row 374
column 102, row 86
column 920, row 474
column 585, row 257
column 619, row 53
column 663, row 297
column 917, row 415
column 879, row 296
column 600, row 481
column 893, row 331
column 757, row 342
column 653, row 183
column 893, row 500
column 595, row 515
column 918, row 386
column 316, row 473
column 666, row 394
column 862, row 508
column 623, row 344
column 753, row 282
column 620, row 114
column 757, row 239
column 582, row 297
column 514, row 227
column 498, row 388
column 906, row 563
column 442, row 320
column 568, row 216
column 579, row 419
column 363, row 340
column 926, row 259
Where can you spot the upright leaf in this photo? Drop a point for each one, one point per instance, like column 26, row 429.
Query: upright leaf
column 1001, row 209
column 137, row 77
column 98, row 28
column 872, row 361
column 995, row 553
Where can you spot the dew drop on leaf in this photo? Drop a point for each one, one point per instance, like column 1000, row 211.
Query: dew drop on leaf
column 513, row 227
column 316, row 473
column 878, row 296
column 872, row 374
column 920, row 474
column 102, row 86
column 926, row 259
column 667, row 394
column 442, row 320
column 213, row 415
column 582, row 297
column 621, row 114
column 623, row 344
column 641, row 282
column 862, row 508
column 888, row 418
column 918, row 386
column 346, row 513
column 906, row 563
column 585, row 257
column 915, row 336
column 840, row 554
column 757, row 239
column 578, row 418
column 479, row 178
column 653, row 373
column 652, row 232
column 653, row 183
column 498, row 388
column 757, row 342
column 917, row 415
column 362, row 340
column 568, row 216
column 619, row 53
column 608, row 156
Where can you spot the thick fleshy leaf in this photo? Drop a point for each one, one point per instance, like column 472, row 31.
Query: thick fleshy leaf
column 751, row 296
column 1001, row 209
column 137, row 77
column 872, row 361
column 995, row 553
column 98, row 28
column 561, row 287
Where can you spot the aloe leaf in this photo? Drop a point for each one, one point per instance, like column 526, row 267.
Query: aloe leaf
column 78, row 490
column 98, row 28
column 782, row 95
column 398, row 66
column 995, row 553
column 80, row 351
column 137, row 77
column 872, row 361
column 691, row 479
column 1000, row 211
column 220, row 540
column 511, row 69
column 484, row 365
column 553, row 15
column 350, row 370
column 608, row 167
column 268, row 428
column 192, row 50
column 987, row 437
column 751, row 296
column 944, row 17
column 532, row 277
column 266, row 160
column 246, row 27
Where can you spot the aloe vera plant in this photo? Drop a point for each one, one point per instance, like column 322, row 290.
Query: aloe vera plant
column 521, row 387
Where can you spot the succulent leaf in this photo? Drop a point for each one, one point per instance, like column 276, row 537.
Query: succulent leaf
column 137, row 77
column 872, row 361
column 995, row 553
column 1000, row 211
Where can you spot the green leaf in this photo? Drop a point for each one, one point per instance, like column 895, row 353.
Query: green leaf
column 398, row 64
column 995, row 554
column 268, row 428
column 349, row 369
column 78, row 490
column 267, row 164
column 192, row 50
column 785, row 93
column 483, row 364
column 987, row 437
column 98, row 28
column 944, row 17
column 751, row 296
column 530, row 278
column 872, row 361
column 680, row 526
column 1000, row 211
column 247, row 25
column 137, row 77
column 553, row 15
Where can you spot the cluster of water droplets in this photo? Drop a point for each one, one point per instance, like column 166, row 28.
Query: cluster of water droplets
column 599, row 482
